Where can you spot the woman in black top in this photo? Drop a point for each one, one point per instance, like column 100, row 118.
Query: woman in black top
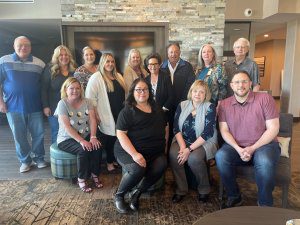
column 161, row 86
column 140, row 145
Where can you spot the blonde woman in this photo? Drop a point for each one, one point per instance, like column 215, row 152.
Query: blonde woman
column 84, row 72
column 195, row 140
column 107, row 90
column 135, row 68
column 61, row 67
column 77, row 132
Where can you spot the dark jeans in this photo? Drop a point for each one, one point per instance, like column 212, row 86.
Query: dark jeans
column 264, row 161
column 87, row 161
column 144, row 176
column 108, row 143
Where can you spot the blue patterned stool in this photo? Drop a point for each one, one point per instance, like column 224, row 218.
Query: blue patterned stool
column 63, row 164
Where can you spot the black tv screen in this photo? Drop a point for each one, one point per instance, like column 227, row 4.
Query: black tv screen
column 117, row 43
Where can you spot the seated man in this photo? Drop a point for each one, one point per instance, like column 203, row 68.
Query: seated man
column 249, row 124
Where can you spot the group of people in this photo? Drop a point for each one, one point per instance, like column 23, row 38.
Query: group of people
column 157, row 110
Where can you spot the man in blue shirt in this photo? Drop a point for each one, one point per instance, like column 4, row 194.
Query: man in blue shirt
column 20, row 99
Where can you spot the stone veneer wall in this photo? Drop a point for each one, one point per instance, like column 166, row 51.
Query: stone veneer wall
column 191, row 22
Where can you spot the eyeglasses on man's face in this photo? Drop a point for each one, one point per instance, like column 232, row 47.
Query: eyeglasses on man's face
column 140, row 91
column 237, row 82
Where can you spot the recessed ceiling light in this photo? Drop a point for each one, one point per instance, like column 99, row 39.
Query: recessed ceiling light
column 236, row 29
column 266, row 35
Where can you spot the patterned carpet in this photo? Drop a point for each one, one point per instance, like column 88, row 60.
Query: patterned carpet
column 50, row 201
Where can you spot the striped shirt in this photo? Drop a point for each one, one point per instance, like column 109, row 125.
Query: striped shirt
column 21, row 83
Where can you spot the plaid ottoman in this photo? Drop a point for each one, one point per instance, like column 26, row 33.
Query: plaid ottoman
column 63, row 164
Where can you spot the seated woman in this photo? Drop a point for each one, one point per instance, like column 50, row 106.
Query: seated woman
column 140, row 146
column 77, row 132
column 195, row 140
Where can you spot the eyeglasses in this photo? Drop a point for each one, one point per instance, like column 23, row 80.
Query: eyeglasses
column 237, row 82
column 153, row 64
column 140, row 91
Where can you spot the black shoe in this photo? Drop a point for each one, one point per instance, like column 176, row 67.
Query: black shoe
column 121, row 205
column 233, row 202
column 134, row 199
column 203, row 197
column 177, row 198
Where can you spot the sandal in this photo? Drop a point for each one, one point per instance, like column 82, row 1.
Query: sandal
column 84, row 187
column 97, row 182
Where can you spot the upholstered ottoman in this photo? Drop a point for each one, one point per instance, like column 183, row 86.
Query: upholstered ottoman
column 63, row 164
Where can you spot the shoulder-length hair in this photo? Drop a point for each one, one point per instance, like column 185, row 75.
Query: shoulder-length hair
column 134, row 50
column 66, row 84
column 197, row 84
column 130, row 100
column 55, row 68
column 108, row 82
column 201, row 61
column 153, row 56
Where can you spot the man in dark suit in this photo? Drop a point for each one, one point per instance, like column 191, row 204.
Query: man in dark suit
column 182, row 77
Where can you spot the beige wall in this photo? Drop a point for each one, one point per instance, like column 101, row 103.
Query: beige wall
column 40, row 9
column 274, row 53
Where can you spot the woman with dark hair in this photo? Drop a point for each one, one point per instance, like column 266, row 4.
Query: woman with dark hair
column 140, row 145
column 161, row 84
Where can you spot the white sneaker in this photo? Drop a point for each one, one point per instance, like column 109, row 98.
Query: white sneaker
column 41, row 164
column 25, row 167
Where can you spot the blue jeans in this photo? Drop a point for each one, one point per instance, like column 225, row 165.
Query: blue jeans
column 53, row 121
column 20, row 124
column 264, row 161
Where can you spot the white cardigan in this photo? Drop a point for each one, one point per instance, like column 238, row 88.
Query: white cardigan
column 96, row 91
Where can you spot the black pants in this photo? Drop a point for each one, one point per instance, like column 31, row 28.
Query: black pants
column 108, row 143
column 87, row 161
column 144, row 176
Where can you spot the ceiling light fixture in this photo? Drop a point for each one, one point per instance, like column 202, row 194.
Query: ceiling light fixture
column 266, row 35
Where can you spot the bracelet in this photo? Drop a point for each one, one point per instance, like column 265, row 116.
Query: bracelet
column 93, row 137
column 189, row 148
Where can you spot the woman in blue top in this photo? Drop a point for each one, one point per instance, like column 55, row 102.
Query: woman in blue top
column 212, row 73
column 195, row 140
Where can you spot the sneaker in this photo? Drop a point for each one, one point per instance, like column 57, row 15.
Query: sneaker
column 41, row 164
column 25, row 167
column 233, row 202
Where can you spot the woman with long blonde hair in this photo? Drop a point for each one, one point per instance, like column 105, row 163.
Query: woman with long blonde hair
column 61, row 67
column 107, row 90
column 135, row 68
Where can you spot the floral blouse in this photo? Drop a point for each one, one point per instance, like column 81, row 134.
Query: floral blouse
column 216, row 80
column 188, row 128
column 83, row 75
